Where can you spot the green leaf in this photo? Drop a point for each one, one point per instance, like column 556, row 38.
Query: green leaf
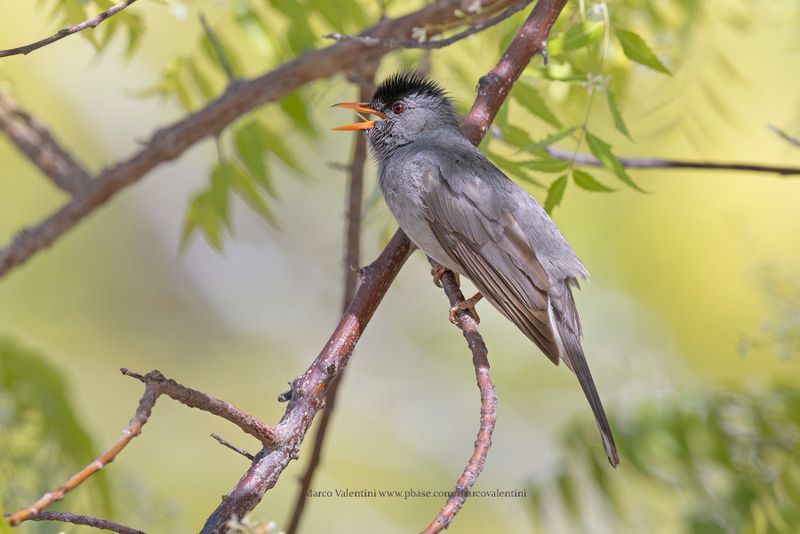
column 253, row 28
column 546, row 165
column 555, row 193
column 200, row 80
column 602, row 151
column 341, row 15
column 567, row 490
column 637, row 50
column 222, row 177
column 247, row 188
column 619, row 123
column 299, row 35
column 513, row 168
column 551, row 139
column 584, row 180
column 250, row 142
column 297, row 110
column 577, row 36
column 201, row 215
column 209, row 210
column 516, row 136
column 529, row 98
column 276, row 145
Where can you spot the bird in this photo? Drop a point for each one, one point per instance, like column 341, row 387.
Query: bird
column 468, row 216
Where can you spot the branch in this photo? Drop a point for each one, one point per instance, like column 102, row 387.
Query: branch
column 364, row 80
column 310, row 389
column 657, row 163
column 215, row 44
column 75, row 519
column 494, row 86
column 434, row 44
column 65, row 32
column 784, row 135
column 480, row 360
column 155, row 385
column 205, row 402
column 169, row 143
column 225, row 443
column 33, row 140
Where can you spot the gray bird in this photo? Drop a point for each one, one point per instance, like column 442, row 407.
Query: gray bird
column 463, row 212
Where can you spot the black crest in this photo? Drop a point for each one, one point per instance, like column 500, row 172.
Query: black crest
column 406, row 83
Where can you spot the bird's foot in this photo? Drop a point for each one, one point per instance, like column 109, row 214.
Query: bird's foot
column 438, row 271
column 469, row 305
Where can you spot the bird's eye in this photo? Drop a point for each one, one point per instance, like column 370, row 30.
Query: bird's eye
column 398, row 108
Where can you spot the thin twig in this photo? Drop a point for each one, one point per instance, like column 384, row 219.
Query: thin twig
column 65, row 32
column 155, row 385
column 169, row 143
column 355, row 194
column 784, row 135
column 38, row 144
column 218, row 50
column 658, row 163
column 85, row 520
column 205, row 402
column 483, row 441
column 225, row 443
column 433, row 44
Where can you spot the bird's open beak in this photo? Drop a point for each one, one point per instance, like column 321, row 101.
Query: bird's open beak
column 360, row 107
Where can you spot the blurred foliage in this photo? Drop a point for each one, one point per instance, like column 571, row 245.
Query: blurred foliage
column 720, row 462
column 40, row 429
column 780, row 330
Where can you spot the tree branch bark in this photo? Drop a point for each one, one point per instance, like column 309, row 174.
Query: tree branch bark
column 241, row 97
column 33, row 140
column 66, row 32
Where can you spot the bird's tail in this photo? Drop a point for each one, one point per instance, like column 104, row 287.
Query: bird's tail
column 577, row 362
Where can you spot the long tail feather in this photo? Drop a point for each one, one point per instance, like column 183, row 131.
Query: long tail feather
column 578, row 364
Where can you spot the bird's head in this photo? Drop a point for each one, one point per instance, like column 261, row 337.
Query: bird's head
column 408, row 106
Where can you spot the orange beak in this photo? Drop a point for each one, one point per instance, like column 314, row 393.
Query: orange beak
column 360, row 107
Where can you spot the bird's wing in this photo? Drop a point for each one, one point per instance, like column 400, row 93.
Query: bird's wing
column 474, row 220
column 475, row 214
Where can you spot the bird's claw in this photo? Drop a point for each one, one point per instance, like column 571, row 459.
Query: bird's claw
column 438, row 271
column 468, row 305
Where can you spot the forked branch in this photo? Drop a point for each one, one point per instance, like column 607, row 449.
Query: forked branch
column 156, row 385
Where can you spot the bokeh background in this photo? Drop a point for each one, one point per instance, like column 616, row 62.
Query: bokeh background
column 694, row 293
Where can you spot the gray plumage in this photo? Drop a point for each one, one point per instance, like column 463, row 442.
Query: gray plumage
column 467, row 215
